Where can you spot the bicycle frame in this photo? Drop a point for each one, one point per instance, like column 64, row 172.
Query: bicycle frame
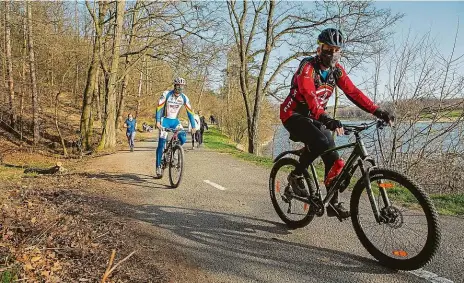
column 169, row 145
column 173, row 139
column 356, row 159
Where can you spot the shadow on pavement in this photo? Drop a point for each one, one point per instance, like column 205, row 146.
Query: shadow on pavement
column 230, row 244
column 140, row 180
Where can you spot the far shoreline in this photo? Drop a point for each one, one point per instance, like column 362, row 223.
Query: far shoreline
column 441, row 120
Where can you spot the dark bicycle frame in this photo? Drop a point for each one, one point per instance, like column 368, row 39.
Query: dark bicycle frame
column 173, row 141
column 358, row 156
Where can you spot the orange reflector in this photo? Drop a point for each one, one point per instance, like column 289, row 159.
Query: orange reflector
column 306, row 207
column 400, row 253
column 278, row 186
column 386, row 185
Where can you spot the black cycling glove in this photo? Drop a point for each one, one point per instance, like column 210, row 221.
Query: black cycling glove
column 384, row 115
column 330, row 123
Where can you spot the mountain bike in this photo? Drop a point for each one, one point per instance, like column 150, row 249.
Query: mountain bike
column 392, row 216
column 173, row 158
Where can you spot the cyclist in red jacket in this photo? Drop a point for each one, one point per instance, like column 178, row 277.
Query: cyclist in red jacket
column 303, row 112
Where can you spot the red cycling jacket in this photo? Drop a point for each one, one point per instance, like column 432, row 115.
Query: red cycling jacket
column 309, row 93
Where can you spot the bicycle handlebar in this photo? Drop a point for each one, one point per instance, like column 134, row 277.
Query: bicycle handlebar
column 170, row 130
column 359, row 128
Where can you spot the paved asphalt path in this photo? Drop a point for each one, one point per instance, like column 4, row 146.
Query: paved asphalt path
column 232, row 233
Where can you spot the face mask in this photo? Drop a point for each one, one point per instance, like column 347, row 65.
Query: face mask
column 329, row 59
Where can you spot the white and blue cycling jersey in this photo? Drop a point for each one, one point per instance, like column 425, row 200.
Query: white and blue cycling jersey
column 169, row 106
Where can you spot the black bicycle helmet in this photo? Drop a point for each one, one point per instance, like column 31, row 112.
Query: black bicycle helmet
column 331, row 36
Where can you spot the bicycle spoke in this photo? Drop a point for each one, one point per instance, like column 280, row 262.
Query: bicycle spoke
column 385, row 239
column 392, row 242
column 403, row 246
column 413, row 230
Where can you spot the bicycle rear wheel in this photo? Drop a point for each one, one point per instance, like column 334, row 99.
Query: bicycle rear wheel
column 408, row 237
column 176, row 166
column 293, row 212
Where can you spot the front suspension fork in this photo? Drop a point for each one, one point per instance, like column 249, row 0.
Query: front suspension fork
column 370, row 194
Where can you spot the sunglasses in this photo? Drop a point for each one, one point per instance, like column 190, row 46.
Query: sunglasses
column 330, row 49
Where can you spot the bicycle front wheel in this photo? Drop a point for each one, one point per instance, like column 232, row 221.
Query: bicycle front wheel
column 176, row 166
column 408, row 235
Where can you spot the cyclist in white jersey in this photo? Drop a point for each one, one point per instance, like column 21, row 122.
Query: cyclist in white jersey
column 167, row 111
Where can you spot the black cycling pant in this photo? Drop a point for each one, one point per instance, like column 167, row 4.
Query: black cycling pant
column 317, row 138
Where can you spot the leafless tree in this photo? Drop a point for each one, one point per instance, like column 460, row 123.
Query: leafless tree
column 424, row 88
column 108, row 138
column 9, row 63
column 35, row 94
column 92, row 74
column 259, row 28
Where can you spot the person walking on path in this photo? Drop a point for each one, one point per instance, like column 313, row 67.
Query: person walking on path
column 131, row 125
column 203, row 125
column 195, row 132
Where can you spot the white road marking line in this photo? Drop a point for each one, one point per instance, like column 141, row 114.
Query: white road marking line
column 219, row 187
column 430, row 276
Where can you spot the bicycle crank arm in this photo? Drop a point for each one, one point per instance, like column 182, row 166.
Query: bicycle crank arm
column 303, row 199
column 336, row 212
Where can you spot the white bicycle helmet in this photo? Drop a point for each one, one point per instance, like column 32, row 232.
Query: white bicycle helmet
column 179, row 81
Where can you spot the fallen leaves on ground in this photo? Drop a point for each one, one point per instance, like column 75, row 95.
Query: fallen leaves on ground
column 52, row 232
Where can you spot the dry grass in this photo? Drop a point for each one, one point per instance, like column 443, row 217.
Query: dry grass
column 53, row 232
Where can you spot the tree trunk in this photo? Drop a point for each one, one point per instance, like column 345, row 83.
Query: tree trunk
column 108, row 139
column 4, row 81
column 23, row 77
column 76, row 76
column 203, row 82
column 76, row 85
column 9, row 64
column 97, row 96
column 229, row 85
column 87, row 99
column 65, row 152
column 335, row 110
column 122, row 101
column 139, row 92
column 253, row 138
column 35, row 95
column 147, row 82
column 92, row 80
column 102, row 93
column 125, row 80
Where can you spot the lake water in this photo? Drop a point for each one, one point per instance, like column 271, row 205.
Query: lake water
column 433, row 138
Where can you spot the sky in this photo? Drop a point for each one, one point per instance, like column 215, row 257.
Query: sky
column 440, row 18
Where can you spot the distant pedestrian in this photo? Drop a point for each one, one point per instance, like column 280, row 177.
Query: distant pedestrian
column 195, row 131
column 131, row 125
column 212, row 119
column 203, row 126
column 147, row 128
